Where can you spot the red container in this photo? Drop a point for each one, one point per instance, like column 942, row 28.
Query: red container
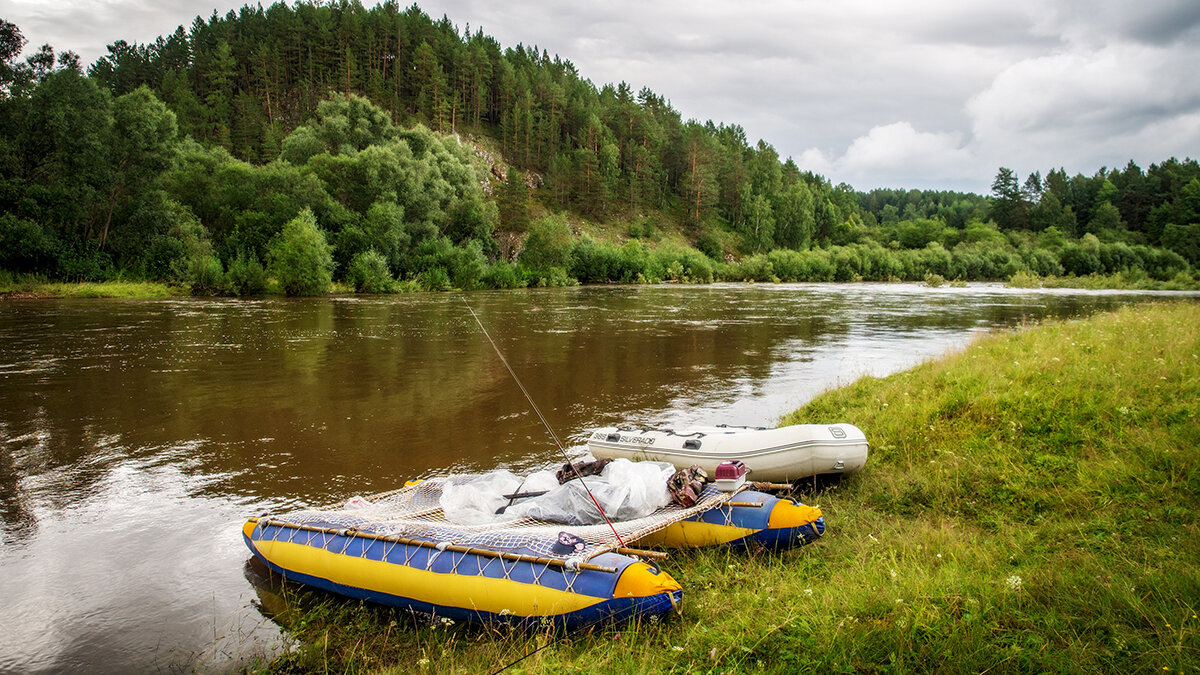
column 731, row 470
column 731, row 475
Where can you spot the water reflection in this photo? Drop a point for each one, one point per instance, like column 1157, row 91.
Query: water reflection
column 136, row 435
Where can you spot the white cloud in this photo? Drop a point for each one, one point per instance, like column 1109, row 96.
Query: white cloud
column 1089, row 108
column 888, row 154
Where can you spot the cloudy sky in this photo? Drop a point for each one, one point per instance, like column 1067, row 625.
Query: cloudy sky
column 875, row 93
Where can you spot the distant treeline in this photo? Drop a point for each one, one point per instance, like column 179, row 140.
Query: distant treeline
column 190, row 159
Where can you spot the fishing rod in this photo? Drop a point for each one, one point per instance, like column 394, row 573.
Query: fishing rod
column 546, row 424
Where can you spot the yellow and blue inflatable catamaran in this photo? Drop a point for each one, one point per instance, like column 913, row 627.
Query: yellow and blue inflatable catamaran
column 463, row 582
column 398, row 549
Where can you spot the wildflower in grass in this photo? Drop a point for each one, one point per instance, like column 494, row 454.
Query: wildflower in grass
column 423, row 662
column 1013, row 582
column 676, row 648
column 808, row 591
column 446, row 621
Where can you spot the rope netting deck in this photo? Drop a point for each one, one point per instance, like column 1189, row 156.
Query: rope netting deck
column 415, row 512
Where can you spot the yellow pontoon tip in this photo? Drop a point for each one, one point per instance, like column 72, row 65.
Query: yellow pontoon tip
column 788, row 514
column 640, row 580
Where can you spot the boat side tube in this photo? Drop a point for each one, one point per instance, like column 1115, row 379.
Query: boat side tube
column 755, row 517
column 462, row 585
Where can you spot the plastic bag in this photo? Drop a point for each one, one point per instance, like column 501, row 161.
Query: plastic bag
column 647, row 483
column 541, row 481
column 478, row 500
column 626, row 490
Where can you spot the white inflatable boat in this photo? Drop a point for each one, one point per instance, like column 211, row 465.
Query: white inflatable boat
column 783, row 454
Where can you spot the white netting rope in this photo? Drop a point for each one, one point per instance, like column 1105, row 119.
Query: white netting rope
column 414, row 512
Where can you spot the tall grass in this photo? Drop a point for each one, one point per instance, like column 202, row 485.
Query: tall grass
column 1030, row 505
column 1127, row 280
column 37, row 288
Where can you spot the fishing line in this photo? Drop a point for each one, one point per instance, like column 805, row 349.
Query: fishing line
column 544, row 423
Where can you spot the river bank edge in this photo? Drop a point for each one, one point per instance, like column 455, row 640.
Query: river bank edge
column 1030, row 505
column 157, row 290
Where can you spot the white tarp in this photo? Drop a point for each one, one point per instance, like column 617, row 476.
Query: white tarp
column 625, row 490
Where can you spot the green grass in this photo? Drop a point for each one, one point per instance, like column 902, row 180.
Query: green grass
column 1030, row 505
column 1133, row 280
column 32, row 288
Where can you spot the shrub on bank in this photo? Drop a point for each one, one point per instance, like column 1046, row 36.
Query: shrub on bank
column 546, row 277
column 1041, row 262
column 369, row 273
column 548, row 244
column 676, row 263
column 592, row 262
column 25, row 248
column 1160, row 264
column 502, row 274
column 552, row 256
column 299, row 258
column 757, row 267
column 245, row 276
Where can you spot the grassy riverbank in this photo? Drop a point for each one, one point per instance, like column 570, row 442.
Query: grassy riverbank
column 1030, row 505
column 27, row 288
column 1129, row 281
column 34, row 288
column 144, row 290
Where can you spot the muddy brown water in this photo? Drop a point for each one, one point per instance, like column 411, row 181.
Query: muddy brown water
column 136, row 436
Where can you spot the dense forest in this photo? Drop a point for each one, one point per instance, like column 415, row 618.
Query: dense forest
column 295, row 145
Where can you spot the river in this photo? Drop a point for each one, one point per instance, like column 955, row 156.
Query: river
column 137, row 436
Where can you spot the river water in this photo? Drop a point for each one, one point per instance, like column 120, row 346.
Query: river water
column 137, row 436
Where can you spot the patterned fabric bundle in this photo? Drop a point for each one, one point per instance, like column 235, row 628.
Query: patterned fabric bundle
column 687, row 485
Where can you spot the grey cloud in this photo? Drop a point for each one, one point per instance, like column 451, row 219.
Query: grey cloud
column 1152, row 22
column 994, row 26
column 1166, row 26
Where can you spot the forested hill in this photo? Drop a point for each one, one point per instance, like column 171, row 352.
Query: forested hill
column 185, row 159
column 244, row 81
